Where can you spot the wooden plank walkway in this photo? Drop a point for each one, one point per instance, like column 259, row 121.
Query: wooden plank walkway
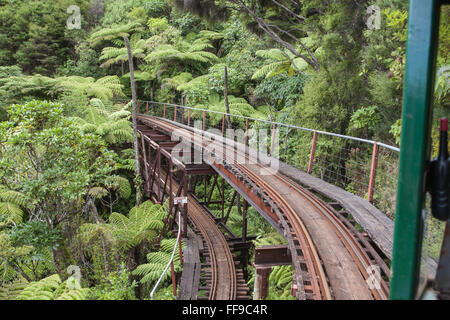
column 377, row 225
column 190, row 276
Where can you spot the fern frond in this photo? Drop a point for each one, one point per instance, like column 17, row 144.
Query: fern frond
column 12, row 212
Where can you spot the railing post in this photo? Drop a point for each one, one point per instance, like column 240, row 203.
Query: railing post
column 313, row 152
column 223, row 125
column 181, row 251
column 164, row 112
column 175, row 113
column 185, row 206
column 189, row 117
column 272, row 139
column 204, row 120
column 373, row 172
column 246, row 131
column 174, row 284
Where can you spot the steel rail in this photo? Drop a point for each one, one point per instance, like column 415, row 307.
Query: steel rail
column 352, row 245
column 347, row 238
column 350, row 242
column 217, row 248
column 319, row 285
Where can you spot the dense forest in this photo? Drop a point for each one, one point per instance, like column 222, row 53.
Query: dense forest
column 67, row 170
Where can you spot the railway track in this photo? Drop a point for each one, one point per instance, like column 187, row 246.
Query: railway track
column 329, row 260
column 223, row 281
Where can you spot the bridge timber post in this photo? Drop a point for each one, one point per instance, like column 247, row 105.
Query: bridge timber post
column 373, row 172
column 313, row 151
column 261, row 287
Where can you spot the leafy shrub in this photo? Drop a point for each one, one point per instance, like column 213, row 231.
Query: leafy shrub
column 116, row 287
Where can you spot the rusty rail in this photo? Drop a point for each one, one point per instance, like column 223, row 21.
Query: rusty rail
column 319, row 286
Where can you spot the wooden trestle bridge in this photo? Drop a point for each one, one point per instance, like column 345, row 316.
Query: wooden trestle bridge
column 330, row 258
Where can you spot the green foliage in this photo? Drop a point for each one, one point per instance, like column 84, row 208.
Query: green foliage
column 114, row 55
column 396, row 130
column 103, row 243
column 366, row 117
column 268, row 239
column 279, row 62
column 49, row 160
column 36, row 234
column 51, row 288
column 11, row 290
column 238, row 106
column 442, row 86
column 34, row 33
column 73, row 91
column 142, row 223
column 183, row 52
column 111, row 123
column 281, row 91
column 11, row 257
column 115, row 287
column 115, row 33
column 11, row 204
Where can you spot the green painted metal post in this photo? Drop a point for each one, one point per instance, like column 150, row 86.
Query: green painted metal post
column 423, row 22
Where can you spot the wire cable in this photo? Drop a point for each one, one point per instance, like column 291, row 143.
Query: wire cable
column 171, row 258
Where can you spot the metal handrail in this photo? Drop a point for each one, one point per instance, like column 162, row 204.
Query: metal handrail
column 171, row 258
column 396, row 149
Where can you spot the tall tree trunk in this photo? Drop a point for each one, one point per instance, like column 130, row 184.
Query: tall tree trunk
column 137, row 169
column 225, row 93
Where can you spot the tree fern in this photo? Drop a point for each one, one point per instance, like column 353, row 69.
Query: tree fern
column 157, row 261
column 115, row 33
column 143, row 223
column 183, row 52
column 10, row 290
column 272, row 238
column 51, row 288
column 11, row 204
column 278, row 62
column 114, row 55
column 112, row 125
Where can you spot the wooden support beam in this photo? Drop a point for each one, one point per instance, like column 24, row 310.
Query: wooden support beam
column 244, row 221
column 272, row 255
column 212, row 189
column 231, row 206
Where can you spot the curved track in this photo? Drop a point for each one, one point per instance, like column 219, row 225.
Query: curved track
column 223, row 283
column 333, row 263
column 223, row 273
